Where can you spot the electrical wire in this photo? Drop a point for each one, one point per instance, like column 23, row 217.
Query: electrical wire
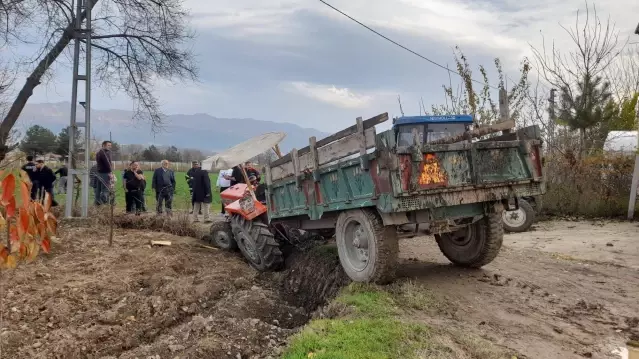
column 402, row 46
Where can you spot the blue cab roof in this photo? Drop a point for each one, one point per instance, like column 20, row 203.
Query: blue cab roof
column 409, row 120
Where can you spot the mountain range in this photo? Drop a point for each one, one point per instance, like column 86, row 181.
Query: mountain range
column 198, row 131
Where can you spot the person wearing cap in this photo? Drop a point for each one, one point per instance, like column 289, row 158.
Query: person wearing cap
column 189, row 180
column 202, row 196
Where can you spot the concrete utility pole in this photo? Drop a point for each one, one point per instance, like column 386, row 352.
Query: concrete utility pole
column 80, row 33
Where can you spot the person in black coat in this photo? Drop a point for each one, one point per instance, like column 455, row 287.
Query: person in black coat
column 195, row 165
column 202, row 197
column 30, row 169
column 45, row 178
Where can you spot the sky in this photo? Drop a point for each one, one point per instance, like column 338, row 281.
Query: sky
column 298, row 61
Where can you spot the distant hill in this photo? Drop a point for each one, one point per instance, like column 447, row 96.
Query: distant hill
column 200, row 130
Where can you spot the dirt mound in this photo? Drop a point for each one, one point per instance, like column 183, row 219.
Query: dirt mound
column 131, row 300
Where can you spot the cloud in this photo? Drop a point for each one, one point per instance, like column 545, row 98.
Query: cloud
column 340, row 97
column 299, row 61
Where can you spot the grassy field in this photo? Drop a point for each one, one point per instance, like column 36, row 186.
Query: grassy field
column 181, row 199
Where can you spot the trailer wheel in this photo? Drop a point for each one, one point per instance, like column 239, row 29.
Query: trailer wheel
column 222, row 236
column 476, row 245
column 519, row 220
column 257, row 243
column 367, row 249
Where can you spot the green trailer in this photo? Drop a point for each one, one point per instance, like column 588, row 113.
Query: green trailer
column 361, row 185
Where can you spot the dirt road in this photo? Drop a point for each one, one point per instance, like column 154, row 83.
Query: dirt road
column 564, row 290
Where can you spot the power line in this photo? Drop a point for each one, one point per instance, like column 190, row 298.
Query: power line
column 402, row 46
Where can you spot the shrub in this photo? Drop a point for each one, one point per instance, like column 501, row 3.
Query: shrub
column 26, row 226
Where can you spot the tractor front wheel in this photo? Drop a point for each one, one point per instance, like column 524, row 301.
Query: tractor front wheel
column 222, row 236
column 257, row 243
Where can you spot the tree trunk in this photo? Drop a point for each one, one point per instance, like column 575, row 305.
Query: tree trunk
column 32, row 82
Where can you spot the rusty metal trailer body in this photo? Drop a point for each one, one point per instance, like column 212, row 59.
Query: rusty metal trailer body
column 406, row 184
column 453, row 190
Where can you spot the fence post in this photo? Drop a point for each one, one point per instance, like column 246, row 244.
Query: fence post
column 632, row 201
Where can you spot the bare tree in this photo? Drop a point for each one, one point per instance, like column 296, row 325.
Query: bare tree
column 623, row 73
column 135, row 44
column 596, row 47
column 579, row 75
column 466, row 98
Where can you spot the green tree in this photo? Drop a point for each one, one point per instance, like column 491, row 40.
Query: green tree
column 173, row 154
column 152, row 154
column 38, row 141
column 116, row 154
column 625, row 119
column 62, row 142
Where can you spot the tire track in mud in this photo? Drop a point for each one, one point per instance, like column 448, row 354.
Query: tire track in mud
column 528, row 301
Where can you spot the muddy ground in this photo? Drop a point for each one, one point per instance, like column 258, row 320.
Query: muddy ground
column 563, row 290
column 88, row 300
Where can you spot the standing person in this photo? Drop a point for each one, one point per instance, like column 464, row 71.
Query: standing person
column 224, row 182
column 202, row 197
column 62, row 183
column 163, row 183
column 104, row 176
column 46, row 178
column 30, row 168
column 189, row 180
column 134, row 188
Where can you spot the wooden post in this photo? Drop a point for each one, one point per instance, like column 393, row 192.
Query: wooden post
column 312, row 145
column 363, row 158
column 504, row 111
column 296, row 166
column 632, row 201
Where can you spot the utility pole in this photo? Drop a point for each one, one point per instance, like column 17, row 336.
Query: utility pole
column 80, row 34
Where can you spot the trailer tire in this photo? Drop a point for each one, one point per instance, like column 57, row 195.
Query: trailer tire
column 378, row 260
column 476, row 245
column 257, row 243
column 222, row 236
column 520, row 220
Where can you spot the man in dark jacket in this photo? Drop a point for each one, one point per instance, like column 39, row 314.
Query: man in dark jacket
column 201, row 195
column 30, row 168
column 163, row 183
column 134, row 188
column 46, row 178
column 104, row 176
column 195, row 165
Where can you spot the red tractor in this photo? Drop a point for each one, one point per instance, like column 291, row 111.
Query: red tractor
column 247, row 228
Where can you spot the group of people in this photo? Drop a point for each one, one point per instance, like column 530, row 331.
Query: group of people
column 134, row 183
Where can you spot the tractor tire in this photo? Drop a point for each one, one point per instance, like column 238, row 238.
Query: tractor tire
column 476, row 245
column 367, row 249
column 222, row 236
column 519, row 220
column 257, row 243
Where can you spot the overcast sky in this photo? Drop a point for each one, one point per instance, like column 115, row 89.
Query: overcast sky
column 299, row 61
